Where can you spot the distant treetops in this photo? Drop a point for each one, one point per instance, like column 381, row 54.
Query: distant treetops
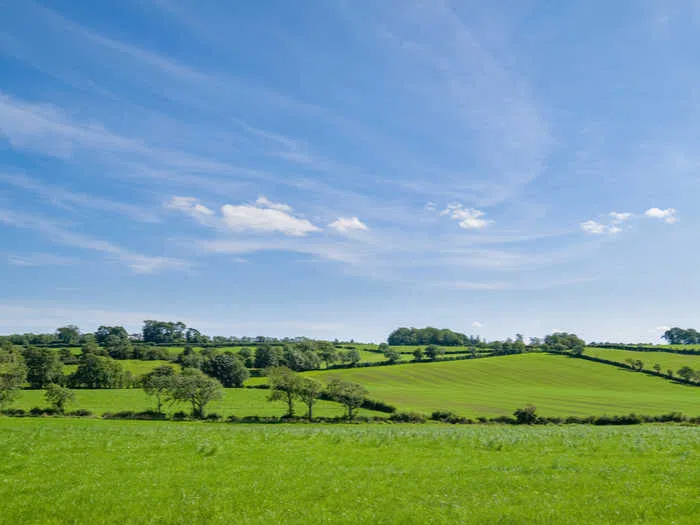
column 680, row 336
column 430, row 336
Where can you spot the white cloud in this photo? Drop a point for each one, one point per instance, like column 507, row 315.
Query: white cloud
column 264, row 202
column 661, row 328
column 263, row 216
column 618, row 217
column 468, row 218
column 348, row 224
column 598, row 228
column 247, row 217
column 668, row 215
column 477, row 324
column 191, row 207
column 430, row 206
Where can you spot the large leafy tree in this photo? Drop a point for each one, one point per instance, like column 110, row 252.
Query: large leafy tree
column 157, row 382
column 228, row 368
column 352, row 395
column 95, row 371
column 68, row 335
column 44, row 366
column 13, row 373
column 284, row 385
column 196, row 388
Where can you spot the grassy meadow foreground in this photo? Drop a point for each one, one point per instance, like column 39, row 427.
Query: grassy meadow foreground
column 89, row 471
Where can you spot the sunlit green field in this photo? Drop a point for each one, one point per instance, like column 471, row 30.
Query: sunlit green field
column 665, row 359
column 57, row 471
column 135, row 366
column 236, row 401
column 557, row 385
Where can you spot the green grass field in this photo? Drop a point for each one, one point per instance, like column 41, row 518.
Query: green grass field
column 57, row 471
column 665, row 359
column 135, row 366
column 236, row 401
column 557, row 385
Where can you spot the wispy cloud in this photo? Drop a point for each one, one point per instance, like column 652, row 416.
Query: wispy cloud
column 348, row 224
column 62, row 197
column 614, row 223
column 36, row 260
column 137, row 262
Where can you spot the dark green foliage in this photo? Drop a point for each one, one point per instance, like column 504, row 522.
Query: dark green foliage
column 526, row 416
column 228, row 368
column 679, row 336
column 68, row 335
column 43, row 366
column 284, row 385
column 188, row 358
column 267, row 356
column 13, row 373
column 391, row 355
column 408, row 417
column 564, row 342
column 429, row 336
column 96, row 371
column 433, row 352
column 163, row 332
column 103, row 334
column 686, row 373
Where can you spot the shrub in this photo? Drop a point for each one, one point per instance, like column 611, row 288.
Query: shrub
column 379, row 406
column 213, row 417
column 526, row 416
column 180, row 416
column 408, row 417
column 81, row 412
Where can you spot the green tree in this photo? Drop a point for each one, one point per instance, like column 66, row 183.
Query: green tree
column 657, row 368
column 267, row 356
column 392, row 355
column 564, row 342
column 227, row 368
column 351, row 395
column 68, row 335
column 351, row 357
column 686, row 373
column 418, row 354
column 44, row 366
column 309, row 391
column 188, row 358
column 13, row 374
column 196, row 388
column 284, row 385
column 58, row 396
column 118, row 347
column 157, row 382
column 326, row 352
column 96, row 371
column 433, row 352
column 526, row 416
column 105, row 332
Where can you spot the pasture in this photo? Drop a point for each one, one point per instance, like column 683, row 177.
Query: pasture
column 557, row 385
column 667, row 360
column 113, row 472
column 240, row 402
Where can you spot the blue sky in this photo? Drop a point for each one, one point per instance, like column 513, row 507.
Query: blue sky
column 341, row 168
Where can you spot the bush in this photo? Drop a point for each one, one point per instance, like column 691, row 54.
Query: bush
column 81, row 412
column 14, row 412
column 445, row 416
column 408, row 417
column 379, row 406
column 213, row 417
column 526, row 416
column 180, row 416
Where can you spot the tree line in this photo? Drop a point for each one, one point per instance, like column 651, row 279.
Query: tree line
column 430, row 336
column 680, row 336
